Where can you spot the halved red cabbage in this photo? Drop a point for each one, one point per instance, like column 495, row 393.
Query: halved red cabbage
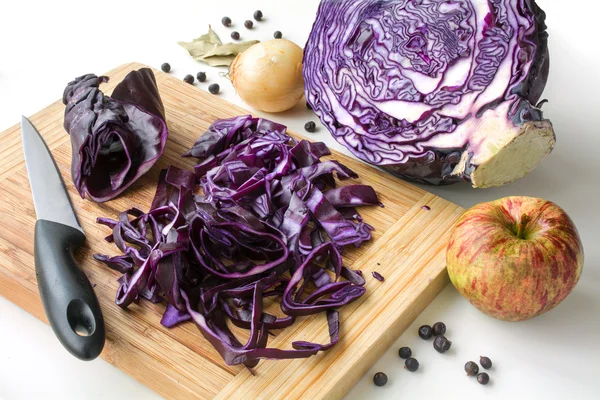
column 116, row 139
column 270, row 224
column 434, row 91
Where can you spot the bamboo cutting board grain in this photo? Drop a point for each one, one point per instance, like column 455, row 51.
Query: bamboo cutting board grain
column 408, row 249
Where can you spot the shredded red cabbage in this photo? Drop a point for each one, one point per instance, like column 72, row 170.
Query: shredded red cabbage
column 378, row 276
column 270, row 223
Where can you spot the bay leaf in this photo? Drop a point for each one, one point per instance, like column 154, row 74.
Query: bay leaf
column 197, row 49
column 217, row 61
column 230, row 49
column 209, row 49
column 210, row 37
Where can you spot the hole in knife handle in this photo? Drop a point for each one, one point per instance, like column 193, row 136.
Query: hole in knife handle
column 81, row 318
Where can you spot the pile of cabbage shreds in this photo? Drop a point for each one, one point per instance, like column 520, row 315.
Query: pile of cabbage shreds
column 270, row 224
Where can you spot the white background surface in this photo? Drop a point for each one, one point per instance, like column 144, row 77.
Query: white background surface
column 43, row 45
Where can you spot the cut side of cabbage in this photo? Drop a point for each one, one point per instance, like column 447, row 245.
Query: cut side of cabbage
column 433, row 90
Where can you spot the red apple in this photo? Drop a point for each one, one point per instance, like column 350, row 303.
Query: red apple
column 515, row 258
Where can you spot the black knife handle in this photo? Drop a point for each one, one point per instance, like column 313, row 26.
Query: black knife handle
column 69, row 300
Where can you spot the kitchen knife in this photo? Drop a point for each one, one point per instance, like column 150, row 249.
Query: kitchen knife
column 69, row 301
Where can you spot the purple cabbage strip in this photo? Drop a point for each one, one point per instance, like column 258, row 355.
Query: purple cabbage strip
column 269, row 224
column 352, row 196
column 378, row 276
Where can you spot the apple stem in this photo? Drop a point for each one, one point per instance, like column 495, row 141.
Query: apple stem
column 521, row 234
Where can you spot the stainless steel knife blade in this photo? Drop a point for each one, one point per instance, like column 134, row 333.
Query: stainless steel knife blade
column 50, row 196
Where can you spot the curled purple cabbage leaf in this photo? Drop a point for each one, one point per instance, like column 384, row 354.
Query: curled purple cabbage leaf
column 270, row 223
column 115, row 139
column 429, row 89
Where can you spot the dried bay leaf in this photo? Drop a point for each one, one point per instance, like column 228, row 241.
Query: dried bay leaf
column 209, row 49
column 229, row 49
column 216, row 61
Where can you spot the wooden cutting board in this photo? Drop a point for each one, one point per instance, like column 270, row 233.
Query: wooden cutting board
column 408, row 249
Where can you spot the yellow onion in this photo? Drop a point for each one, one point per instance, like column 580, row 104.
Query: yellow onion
column 268, row 76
